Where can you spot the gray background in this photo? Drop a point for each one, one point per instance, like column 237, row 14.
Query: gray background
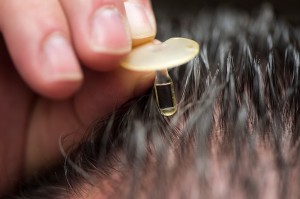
column 288, row 9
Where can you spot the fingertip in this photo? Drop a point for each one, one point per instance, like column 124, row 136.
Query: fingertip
column 109, row 33
column 59, row 74
column 52, row 70
column 100, row 32
column 39, row 44
column 140, row 18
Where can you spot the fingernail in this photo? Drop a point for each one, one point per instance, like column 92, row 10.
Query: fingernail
column 140, row 21
column 59, row 60
column 109, row 33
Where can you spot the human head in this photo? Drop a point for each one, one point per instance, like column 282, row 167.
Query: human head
column 235, row 135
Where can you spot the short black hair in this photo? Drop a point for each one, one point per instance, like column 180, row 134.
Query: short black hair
column 235, row 134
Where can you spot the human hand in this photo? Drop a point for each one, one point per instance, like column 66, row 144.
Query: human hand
column 47, row 41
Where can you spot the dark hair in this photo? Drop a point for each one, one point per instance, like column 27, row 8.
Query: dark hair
column 235, row 134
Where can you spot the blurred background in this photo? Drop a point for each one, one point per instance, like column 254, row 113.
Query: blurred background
column 287, row 9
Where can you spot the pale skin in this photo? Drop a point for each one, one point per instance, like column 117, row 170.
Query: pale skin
column 63, row 74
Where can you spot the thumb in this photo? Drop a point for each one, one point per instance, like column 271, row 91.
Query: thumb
column 101, row 94
column 141, row 20
column 105, row 92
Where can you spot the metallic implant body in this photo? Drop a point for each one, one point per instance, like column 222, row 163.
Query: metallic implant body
column 165, row 93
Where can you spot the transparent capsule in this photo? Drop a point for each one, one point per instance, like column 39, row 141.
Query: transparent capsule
column 165, row 93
